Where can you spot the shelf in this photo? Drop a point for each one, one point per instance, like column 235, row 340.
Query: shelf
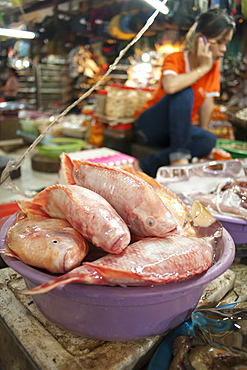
column 53, row 85
column 27, row 87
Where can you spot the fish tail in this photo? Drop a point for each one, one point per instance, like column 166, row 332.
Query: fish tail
column 78, row 274
column 49, row 285
column 30, row 208
column 68, row 166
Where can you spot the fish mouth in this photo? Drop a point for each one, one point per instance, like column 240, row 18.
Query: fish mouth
column 117, row 247
column 70, row 260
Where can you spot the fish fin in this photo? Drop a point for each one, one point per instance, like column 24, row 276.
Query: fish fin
column 68, row 166
column 49, row 285
column 30, row 208
column 8, row 252
column 159, row 188
column 109, row 274
column 129, row 168
column 142, row 175
column 40, row 200
column 81, row 162
column 78, row 274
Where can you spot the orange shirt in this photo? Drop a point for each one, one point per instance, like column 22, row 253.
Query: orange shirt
column 206, row 86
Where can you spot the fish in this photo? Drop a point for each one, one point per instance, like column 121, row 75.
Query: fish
column 149, row 261
column 177, row 207
column 195, row 220
column 88, row 212
column 46, row 243
column 133, row 198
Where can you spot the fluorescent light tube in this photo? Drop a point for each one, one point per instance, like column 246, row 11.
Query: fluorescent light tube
column 17, row 33
column 159, row 5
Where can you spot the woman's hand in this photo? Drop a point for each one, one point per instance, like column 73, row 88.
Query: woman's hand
column 200, row 65
column 204, row 55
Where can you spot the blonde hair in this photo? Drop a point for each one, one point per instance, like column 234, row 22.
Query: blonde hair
column 190, row 38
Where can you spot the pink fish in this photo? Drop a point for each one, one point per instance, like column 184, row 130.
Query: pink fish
column 86, row 211
column 47, row 243
column 133, row 198
column 146, row 262
column 177, row 207
column 195, row 220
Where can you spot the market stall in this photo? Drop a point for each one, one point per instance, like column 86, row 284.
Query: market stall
column 158, row 264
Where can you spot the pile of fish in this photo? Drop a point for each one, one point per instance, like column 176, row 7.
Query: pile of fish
column 145, row 234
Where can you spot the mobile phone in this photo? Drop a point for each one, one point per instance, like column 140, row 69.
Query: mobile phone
column 204, row 39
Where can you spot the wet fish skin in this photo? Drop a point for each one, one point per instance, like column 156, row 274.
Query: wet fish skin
column 86, row 211
column 177, row 207
column 193, row 221
column 50, row 244
column 133, row 198
column 147, row 262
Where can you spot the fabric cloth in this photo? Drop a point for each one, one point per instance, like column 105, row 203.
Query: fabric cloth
column 208, row 85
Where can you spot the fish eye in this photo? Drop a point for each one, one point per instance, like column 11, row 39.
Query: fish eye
column 54, row 241
column 150, row 221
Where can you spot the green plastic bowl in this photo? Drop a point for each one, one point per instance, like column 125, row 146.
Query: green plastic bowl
column 29, row 127
column 233, row 147
column 55, row 147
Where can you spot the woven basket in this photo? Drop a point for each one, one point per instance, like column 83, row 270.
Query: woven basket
column 235, row 121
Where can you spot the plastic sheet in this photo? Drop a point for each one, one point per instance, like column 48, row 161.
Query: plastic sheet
column 223, row 189
column 185, row 179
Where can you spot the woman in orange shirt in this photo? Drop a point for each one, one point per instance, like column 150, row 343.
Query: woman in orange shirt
column 190, row 81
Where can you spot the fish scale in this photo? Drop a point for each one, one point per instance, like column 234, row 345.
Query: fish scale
column 132, row 197
column 52, row 245
column 146, row 262
column 86, row 211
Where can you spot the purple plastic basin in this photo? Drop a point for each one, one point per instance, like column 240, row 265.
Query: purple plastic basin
column 237, row 227
column 116, row 313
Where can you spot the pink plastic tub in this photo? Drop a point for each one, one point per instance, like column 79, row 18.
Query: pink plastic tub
column 116, row 313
